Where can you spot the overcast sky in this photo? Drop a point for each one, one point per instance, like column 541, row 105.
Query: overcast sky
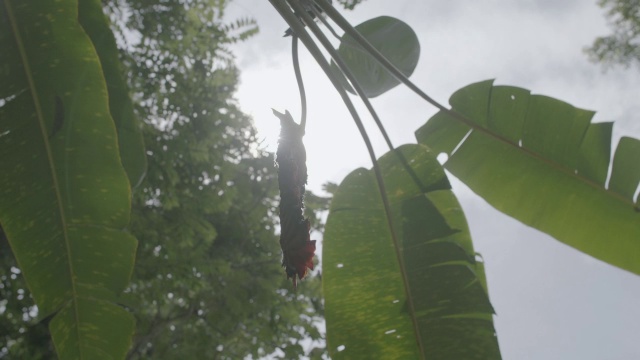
column 552, row 301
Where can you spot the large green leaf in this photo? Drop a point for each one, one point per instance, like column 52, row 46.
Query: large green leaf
column 366, row 308
column 130, row 141
column 541, row 161
column 65, row 198
column 394, row 39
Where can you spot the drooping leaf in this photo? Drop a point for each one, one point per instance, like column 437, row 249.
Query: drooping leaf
column 367, row 312
column 541, row 161
column 65, row 198
column 394, row 39
column 94, row 22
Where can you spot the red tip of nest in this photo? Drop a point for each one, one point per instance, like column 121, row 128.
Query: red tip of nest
column 304, row 258
column 299, row 260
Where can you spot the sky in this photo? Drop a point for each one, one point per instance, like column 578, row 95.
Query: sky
column 552, row 302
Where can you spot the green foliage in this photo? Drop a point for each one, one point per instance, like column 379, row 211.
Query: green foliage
column 541, row 161
column 19, row 330
column 349, row 4
column 367, row 309
column 93, row 21
column 394, row 39
column 246, row 28
column 207, row 282
column 621, row 47
column 65, row 197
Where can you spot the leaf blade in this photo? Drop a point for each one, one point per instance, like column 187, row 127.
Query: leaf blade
column 366, row 306
column 551, row 176
column 130, row 142
column 394, row 39
column 65, row 197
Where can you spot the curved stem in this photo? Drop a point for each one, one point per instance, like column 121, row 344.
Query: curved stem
column 285, row 12
column 317, row 13
column 296, row 70
column 356, row 86
column 334, row 15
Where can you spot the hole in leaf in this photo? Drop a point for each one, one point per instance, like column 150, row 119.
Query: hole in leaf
column 389, row 332
column 340, row 266
column 341, row 348
column 442, row 158
column 461, row 142
column 6, row 100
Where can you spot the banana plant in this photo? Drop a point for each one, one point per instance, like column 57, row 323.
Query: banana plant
column 399, row 263
column 66, row 196
column 393, row 257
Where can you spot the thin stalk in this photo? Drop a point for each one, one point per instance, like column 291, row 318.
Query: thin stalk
column 295, row 24
column 356, row 86
column 296, row 70
column 325, row 23
column 337, row 18
column 292, row 19
column 13, row 22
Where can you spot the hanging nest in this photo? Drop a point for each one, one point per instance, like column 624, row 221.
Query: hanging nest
column 291, row 158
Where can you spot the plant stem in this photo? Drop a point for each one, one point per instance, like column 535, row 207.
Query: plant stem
column 294, row 22
column 336, row 17
column 296, row 70
column 356, row 86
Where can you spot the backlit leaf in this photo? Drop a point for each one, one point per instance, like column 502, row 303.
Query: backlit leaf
column 64, row 198
column 394, row 39
column 541, row 161
column 367, row 311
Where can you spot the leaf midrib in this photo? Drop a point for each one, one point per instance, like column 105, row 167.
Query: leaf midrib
column 52, row 168
column 555, row 165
